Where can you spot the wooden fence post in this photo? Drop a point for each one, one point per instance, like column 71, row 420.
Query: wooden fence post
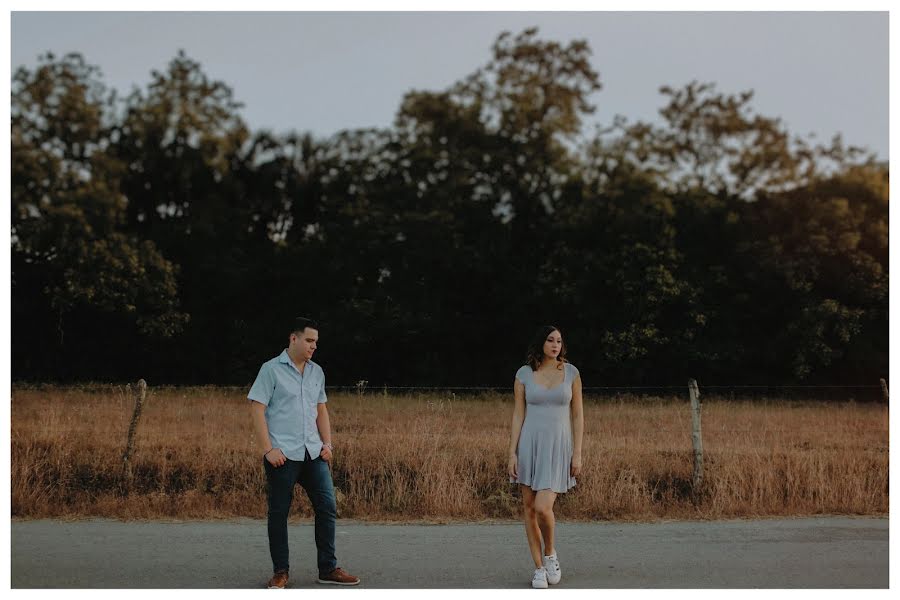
column 696, row 436
column 884, row 389
column 139, row 395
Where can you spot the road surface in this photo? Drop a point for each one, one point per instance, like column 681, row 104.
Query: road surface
column 826, row 552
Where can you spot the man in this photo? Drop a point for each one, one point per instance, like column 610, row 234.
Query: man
column 291, row 423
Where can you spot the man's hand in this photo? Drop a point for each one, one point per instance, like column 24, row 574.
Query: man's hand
column 326, row 454
column 275, row 457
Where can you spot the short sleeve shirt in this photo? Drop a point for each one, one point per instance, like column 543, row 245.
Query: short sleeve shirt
column 291, row 399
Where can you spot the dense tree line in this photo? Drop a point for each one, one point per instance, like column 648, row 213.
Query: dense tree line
column 156, row 236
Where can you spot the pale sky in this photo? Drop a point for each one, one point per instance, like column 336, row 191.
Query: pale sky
column 822, row 73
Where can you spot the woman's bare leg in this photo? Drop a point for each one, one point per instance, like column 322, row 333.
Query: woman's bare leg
column 531, row 526
column 543, row 509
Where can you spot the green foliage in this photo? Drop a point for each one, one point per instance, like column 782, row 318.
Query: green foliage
column 715, row 142
column 68, row 214
column 715, row 245
column 826, row 243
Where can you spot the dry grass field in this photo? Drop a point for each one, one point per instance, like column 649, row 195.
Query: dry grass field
column 437, row 457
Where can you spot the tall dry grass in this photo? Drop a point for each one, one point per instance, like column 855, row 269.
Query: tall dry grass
column 438, row 457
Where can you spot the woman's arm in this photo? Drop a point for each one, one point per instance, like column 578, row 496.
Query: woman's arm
column 518, row 418
column 577, row 425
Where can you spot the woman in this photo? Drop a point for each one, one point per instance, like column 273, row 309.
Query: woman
column 544, row 456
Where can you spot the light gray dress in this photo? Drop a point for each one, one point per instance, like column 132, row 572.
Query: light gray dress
column 545, row 442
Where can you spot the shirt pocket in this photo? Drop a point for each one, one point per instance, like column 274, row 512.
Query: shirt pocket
column 311, row 392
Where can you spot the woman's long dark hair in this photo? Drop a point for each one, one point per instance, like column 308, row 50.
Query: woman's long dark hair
column 535, row 354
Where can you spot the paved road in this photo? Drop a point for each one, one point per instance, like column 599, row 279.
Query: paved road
column 828, row 552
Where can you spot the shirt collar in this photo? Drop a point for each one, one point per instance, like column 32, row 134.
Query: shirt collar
column 284, row 357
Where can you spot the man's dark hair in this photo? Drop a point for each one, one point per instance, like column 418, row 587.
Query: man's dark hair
column 301, row 323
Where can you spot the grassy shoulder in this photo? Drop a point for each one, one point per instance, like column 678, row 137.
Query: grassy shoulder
column 430, row 458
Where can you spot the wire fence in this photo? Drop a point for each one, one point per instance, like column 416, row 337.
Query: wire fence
column 757, row 391
column 845, row 392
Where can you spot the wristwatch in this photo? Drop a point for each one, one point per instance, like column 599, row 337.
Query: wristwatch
column 328, row 445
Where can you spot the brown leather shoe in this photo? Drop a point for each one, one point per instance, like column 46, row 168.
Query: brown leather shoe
column 339, row 577
column 278, row 581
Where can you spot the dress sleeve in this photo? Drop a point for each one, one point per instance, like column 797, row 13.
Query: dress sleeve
column 522, row 373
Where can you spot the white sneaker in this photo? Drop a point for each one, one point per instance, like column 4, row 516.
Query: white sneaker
column 539, row 581
column 551, row 565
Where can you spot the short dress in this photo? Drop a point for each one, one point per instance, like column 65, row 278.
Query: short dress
column 545, row 442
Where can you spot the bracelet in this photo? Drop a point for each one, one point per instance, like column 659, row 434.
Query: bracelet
column 266, row 455
column 328, row 445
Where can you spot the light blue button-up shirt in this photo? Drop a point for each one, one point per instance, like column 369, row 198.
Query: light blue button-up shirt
column 291, row 400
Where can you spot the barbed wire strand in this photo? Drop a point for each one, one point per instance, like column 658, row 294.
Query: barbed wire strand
column 601, row 387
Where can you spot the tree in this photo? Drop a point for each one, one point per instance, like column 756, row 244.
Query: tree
column 714, row 244
column 826, row 245
column 716, row 142
column 68, row 240
column 191, row 187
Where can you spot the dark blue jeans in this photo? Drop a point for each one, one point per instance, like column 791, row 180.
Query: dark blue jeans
column 315, row 478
